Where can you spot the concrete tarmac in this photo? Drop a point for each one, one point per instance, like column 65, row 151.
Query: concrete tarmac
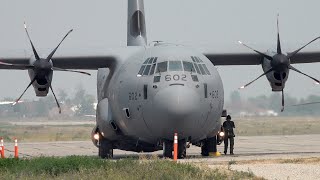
column 246, row 148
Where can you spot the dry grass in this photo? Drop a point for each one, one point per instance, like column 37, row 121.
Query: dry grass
column 256, row 126
column 309, row 160
column 78, row 167
column 44, row 133
column 263, row 126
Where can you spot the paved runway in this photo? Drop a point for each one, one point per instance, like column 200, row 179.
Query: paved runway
column 246, row 148
column 253, row 147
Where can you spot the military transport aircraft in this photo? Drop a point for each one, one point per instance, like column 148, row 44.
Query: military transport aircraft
column 156, row 91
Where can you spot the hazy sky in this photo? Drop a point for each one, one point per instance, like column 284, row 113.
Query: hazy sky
column 210, row 24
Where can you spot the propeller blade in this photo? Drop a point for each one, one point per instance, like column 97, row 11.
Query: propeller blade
column 306, row 104
column 290, row 55
column 267, row 72
column 278, row 41
column 33, row 48
column 54, row 95
column 282, row 100
column 262, row 54
column 55, row 49
column 17, row 65
column 294, row 69
column 24, row 91
column 67, row 70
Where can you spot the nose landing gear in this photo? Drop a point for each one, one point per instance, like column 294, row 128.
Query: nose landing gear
column 168, row 148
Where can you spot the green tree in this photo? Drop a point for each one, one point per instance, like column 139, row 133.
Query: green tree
column 83, row 102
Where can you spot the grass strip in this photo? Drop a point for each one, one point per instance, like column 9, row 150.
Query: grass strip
column 84, row 167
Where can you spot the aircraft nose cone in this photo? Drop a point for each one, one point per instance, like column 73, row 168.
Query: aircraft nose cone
column 173, row 109
column 176, row 102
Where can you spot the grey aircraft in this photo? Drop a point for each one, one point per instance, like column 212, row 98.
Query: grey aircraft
column 160, row 89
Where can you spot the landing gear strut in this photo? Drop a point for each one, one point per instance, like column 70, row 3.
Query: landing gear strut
column 182, row 149
column 209, row 146
column 105, row 148
column 168, row 148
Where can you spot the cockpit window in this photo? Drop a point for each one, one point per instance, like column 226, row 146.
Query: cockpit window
column 175, row 66
column 193, row 59
column 146, row 71
column 148, row 66
column 188, row 66
column 155, row 59
column 141, row 70
column 197, row 68
column 206, row 69
column 146, row 61
column 199, row 65
column 198, row 59
column 152, row 69
column 150, row 60
column 162, row 67
column 202, row 69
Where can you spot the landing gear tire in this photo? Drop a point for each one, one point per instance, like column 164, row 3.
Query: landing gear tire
column 167, row 149
column 182, row 149
column 105, row 148
column 209, row 146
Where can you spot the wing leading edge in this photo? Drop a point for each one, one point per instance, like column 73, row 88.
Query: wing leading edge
column 223, row 59
column 88, row 59
column 65, row 62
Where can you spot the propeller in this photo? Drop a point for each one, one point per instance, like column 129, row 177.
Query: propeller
column 280, row 62
column 303, row 104
column 42, row 67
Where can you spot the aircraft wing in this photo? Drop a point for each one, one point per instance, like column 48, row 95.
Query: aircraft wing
column 85, row 59
column 306, row 57
column 220, row 59
column 244, row 58
column 84, row 62
column 65, row 62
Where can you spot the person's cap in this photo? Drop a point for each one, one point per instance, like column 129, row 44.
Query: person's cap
column 228, row 117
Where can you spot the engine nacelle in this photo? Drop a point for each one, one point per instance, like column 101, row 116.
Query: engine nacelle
column 274, row 77
column 107, row 127
column 43, row 80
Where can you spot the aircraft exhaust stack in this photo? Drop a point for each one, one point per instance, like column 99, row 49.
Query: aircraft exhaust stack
column 136, row 34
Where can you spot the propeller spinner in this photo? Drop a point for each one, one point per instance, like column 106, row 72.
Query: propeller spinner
column 280, row 62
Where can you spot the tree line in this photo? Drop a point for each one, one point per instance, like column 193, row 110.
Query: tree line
column 294, row 106
column 80, row 104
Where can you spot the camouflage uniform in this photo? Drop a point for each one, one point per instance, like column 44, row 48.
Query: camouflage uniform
column 228, row 126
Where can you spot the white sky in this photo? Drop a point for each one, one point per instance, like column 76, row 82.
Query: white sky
column 209, row 24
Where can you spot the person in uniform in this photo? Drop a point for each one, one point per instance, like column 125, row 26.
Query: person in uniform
column 228, row 126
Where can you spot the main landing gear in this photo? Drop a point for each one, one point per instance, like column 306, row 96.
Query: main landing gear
column 105, row 148
column 209, row 146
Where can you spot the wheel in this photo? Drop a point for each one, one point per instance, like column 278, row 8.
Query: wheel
column 209, row 145
column 167, row 149
column 182, row 149
column 105, row 148
column 204, row 149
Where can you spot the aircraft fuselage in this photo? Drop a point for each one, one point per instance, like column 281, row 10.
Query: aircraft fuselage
column 162, row 90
